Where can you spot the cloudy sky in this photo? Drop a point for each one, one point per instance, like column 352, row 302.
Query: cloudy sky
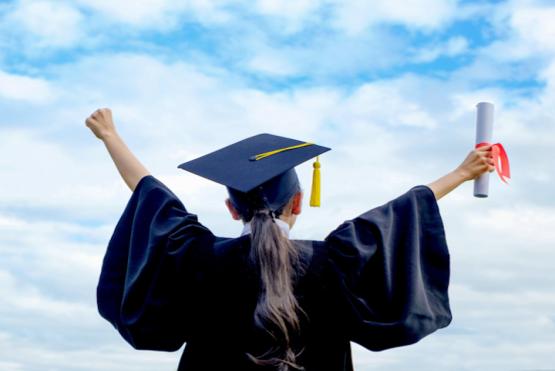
column 390, row 85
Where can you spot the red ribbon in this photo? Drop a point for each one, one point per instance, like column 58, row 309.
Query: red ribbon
column 500, row 159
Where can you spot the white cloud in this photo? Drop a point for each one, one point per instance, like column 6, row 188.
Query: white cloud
column 48, row 176
column 132, row 12
column 24, row 354
column 452, row 47
column 27, row 89
column 534, row 25
column 531, row 224
column 157, row 14
column 290, row 15
column 356, row 16
column 45, row 24
column 383, row 104
column 287, row 8
column 272, row 64
column 19, row 298
column 525, row 30
column 331, row 55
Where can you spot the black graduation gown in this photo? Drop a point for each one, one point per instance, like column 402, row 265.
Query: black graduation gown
column 379, row 280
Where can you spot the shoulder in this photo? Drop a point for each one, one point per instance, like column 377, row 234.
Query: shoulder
column 313, row 259
column 149, row 185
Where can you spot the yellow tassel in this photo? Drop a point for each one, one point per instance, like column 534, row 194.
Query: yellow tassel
column 260, row 156
column 315, row 194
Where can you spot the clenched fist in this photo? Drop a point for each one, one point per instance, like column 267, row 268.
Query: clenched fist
column 101, row 124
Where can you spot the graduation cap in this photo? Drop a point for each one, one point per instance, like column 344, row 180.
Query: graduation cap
column 260, row 168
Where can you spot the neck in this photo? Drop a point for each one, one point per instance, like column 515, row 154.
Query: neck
column 283, row 226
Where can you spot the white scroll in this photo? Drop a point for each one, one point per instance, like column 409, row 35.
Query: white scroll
column 484, row 133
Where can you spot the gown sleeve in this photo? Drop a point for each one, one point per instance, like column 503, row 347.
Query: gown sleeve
column 392, row 267
column 153, row 269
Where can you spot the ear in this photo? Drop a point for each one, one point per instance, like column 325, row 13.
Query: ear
column 297, row 205
column 232, row 210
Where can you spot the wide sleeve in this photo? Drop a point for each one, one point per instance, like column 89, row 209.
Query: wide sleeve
column 153, row 269
column 391, row 265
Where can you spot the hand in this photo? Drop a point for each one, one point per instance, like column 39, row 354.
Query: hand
column 476, row 163
column 101, row 124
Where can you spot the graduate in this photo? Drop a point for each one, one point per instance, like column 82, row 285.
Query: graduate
column 260, row 301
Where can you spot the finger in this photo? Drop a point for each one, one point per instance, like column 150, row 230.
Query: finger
column 486, row 160
column 91, row 121
column 106, row 113
column 484, row 148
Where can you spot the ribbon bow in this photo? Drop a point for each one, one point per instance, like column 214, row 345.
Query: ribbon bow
column 500, row 159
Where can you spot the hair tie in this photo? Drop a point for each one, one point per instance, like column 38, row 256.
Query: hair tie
column 267, row 213
column 272, row 215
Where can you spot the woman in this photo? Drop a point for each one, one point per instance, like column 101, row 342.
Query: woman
column 262, row 301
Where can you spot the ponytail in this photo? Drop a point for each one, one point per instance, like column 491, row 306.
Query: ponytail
column 276, row 259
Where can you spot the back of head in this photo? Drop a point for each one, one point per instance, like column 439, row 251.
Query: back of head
column 272, row 195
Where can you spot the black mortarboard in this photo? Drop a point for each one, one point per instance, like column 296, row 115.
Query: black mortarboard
column 264, row 162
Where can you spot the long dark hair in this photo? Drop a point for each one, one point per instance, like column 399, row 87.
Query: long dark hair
column 277, row 310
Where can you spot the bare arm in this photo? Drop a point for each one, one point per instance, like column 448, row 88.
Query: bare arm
column 129, row 167
column 475, row 164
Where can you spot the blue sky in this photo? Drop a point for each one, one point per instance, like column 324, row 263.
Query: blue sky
column 391, row 86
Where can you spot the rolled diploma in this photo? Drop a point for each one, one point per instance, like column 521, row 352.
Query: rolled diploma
column 484, row 133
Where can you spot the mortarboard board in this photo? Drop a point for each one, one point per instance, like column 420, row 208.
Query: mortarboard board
column 264, row 161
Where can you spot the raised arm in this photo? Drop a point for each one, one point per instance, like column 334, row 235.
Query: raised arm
column 130, row 168
column 475, row 164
